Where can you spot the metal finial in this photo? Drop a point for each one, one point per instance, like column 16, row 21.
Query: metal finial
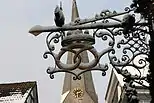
column 75, row 13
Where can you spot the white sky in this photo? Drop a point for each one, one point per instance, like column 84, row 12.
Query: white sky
column 21, row 53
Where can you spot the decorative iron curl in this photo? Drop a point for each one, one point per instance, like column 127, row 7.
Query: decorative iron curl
column 54, row 38
column 105, row 35
column 51, row 71
column 128, row 9
column 103, row 68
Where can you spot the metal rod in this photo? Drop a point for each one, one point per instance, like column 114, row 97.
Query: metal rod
column 100, row 25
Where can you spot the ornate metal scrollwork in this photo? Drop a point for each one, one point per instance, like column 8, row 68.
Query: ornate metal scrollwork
column 76, row 44
column 123, row 49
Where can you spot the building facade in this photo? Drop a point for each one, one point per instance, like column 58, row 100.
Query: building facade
column 24, row 92
column 116, row 94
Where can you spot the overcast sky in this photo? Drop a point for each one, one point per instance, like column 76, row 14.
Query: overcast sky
column 21, row 53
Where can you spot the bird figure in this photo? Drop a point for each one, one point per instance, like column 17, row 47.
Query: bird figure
column 59, row 16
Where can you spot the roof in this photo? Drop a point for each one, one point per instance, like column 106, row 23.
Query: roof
column 13, row 92
column 112, row 83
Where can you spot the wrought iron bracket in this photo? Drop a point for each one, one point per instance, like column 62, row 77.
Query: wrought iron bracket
column 125, row 44
column 128, row 35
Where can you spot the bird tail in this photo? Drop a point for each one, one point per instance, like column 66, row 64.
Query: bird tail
column 61, row 5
